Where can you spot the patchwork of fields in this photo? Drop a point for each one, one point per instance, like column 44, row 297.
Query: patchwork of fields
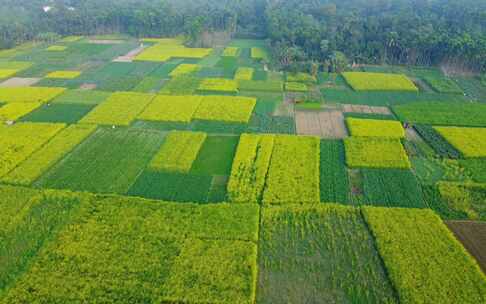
column 145, row 171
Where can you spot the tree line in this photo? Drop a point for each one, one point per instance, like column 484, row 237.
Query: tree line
column 328, row 34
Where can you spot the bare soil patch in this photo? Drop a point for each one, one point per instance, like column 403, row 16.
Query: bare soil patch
column 19, row 82
column 88, row 86
column 325, row 124
column 473, row 236
column 352, row 108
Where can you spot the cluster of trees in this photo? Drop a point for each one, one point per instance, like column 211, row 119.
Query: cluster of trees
column 331, row 33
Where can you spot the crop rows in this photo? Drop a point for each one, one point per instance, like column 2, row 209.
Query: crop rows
column 437, row 142
column 226, row 109
column 319, row 254
column 391, row 188
column 250, row 167
column 333, row 174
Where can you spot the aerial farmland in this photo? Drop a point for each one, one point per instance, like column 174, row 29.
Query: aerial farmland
column 144, row 170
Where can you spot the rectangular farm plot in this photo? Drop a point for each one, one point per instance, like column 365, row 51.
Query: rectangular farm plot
column 184, row 69
column 362, row 81
column 226, row 108
column 443, row 113
column 19, row 141
column 54, row 150
column 471, row 142
column 84, row 97
column 293, row 174
column 473, row 236
column 250, row 167
column 328, row 124
column 119, row 109
column 261, row 85
column 163, row 51
column 185, row 84
column 231, row 52
column 63, row 74
column 65, row 113
column 375, row 128
column 334, row 185
column 296, row 87
column 366, row 152
column 173, row 187
column 243, row 73
column 178, row 152
column 216, row 156
column 321, row 254
column 168, row 108
column 392, row 188
column 29, row 94
column 259, row 53
column 14, row 111
column 218, row 85
column 193, row 277
column 426, row 264
column 109, row 161
column 146, row 251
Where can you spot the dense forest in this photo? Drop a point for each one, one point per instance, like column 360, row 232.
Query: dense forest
column 336, row 33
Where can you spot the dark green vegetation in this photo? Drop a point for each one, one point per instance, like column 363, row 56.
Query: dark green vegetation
column 66, row 113
column 391, row 188
column 109, row 161
column 329, row 248
column 437, row 142
column 333, row 175
column 216, row 156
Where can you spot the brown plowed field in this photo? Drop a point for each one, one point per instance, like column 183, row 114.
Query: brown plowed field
column 473, row 236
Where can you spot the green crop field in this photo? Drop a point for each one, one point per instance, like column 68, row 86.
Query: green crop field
column 210, row 169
